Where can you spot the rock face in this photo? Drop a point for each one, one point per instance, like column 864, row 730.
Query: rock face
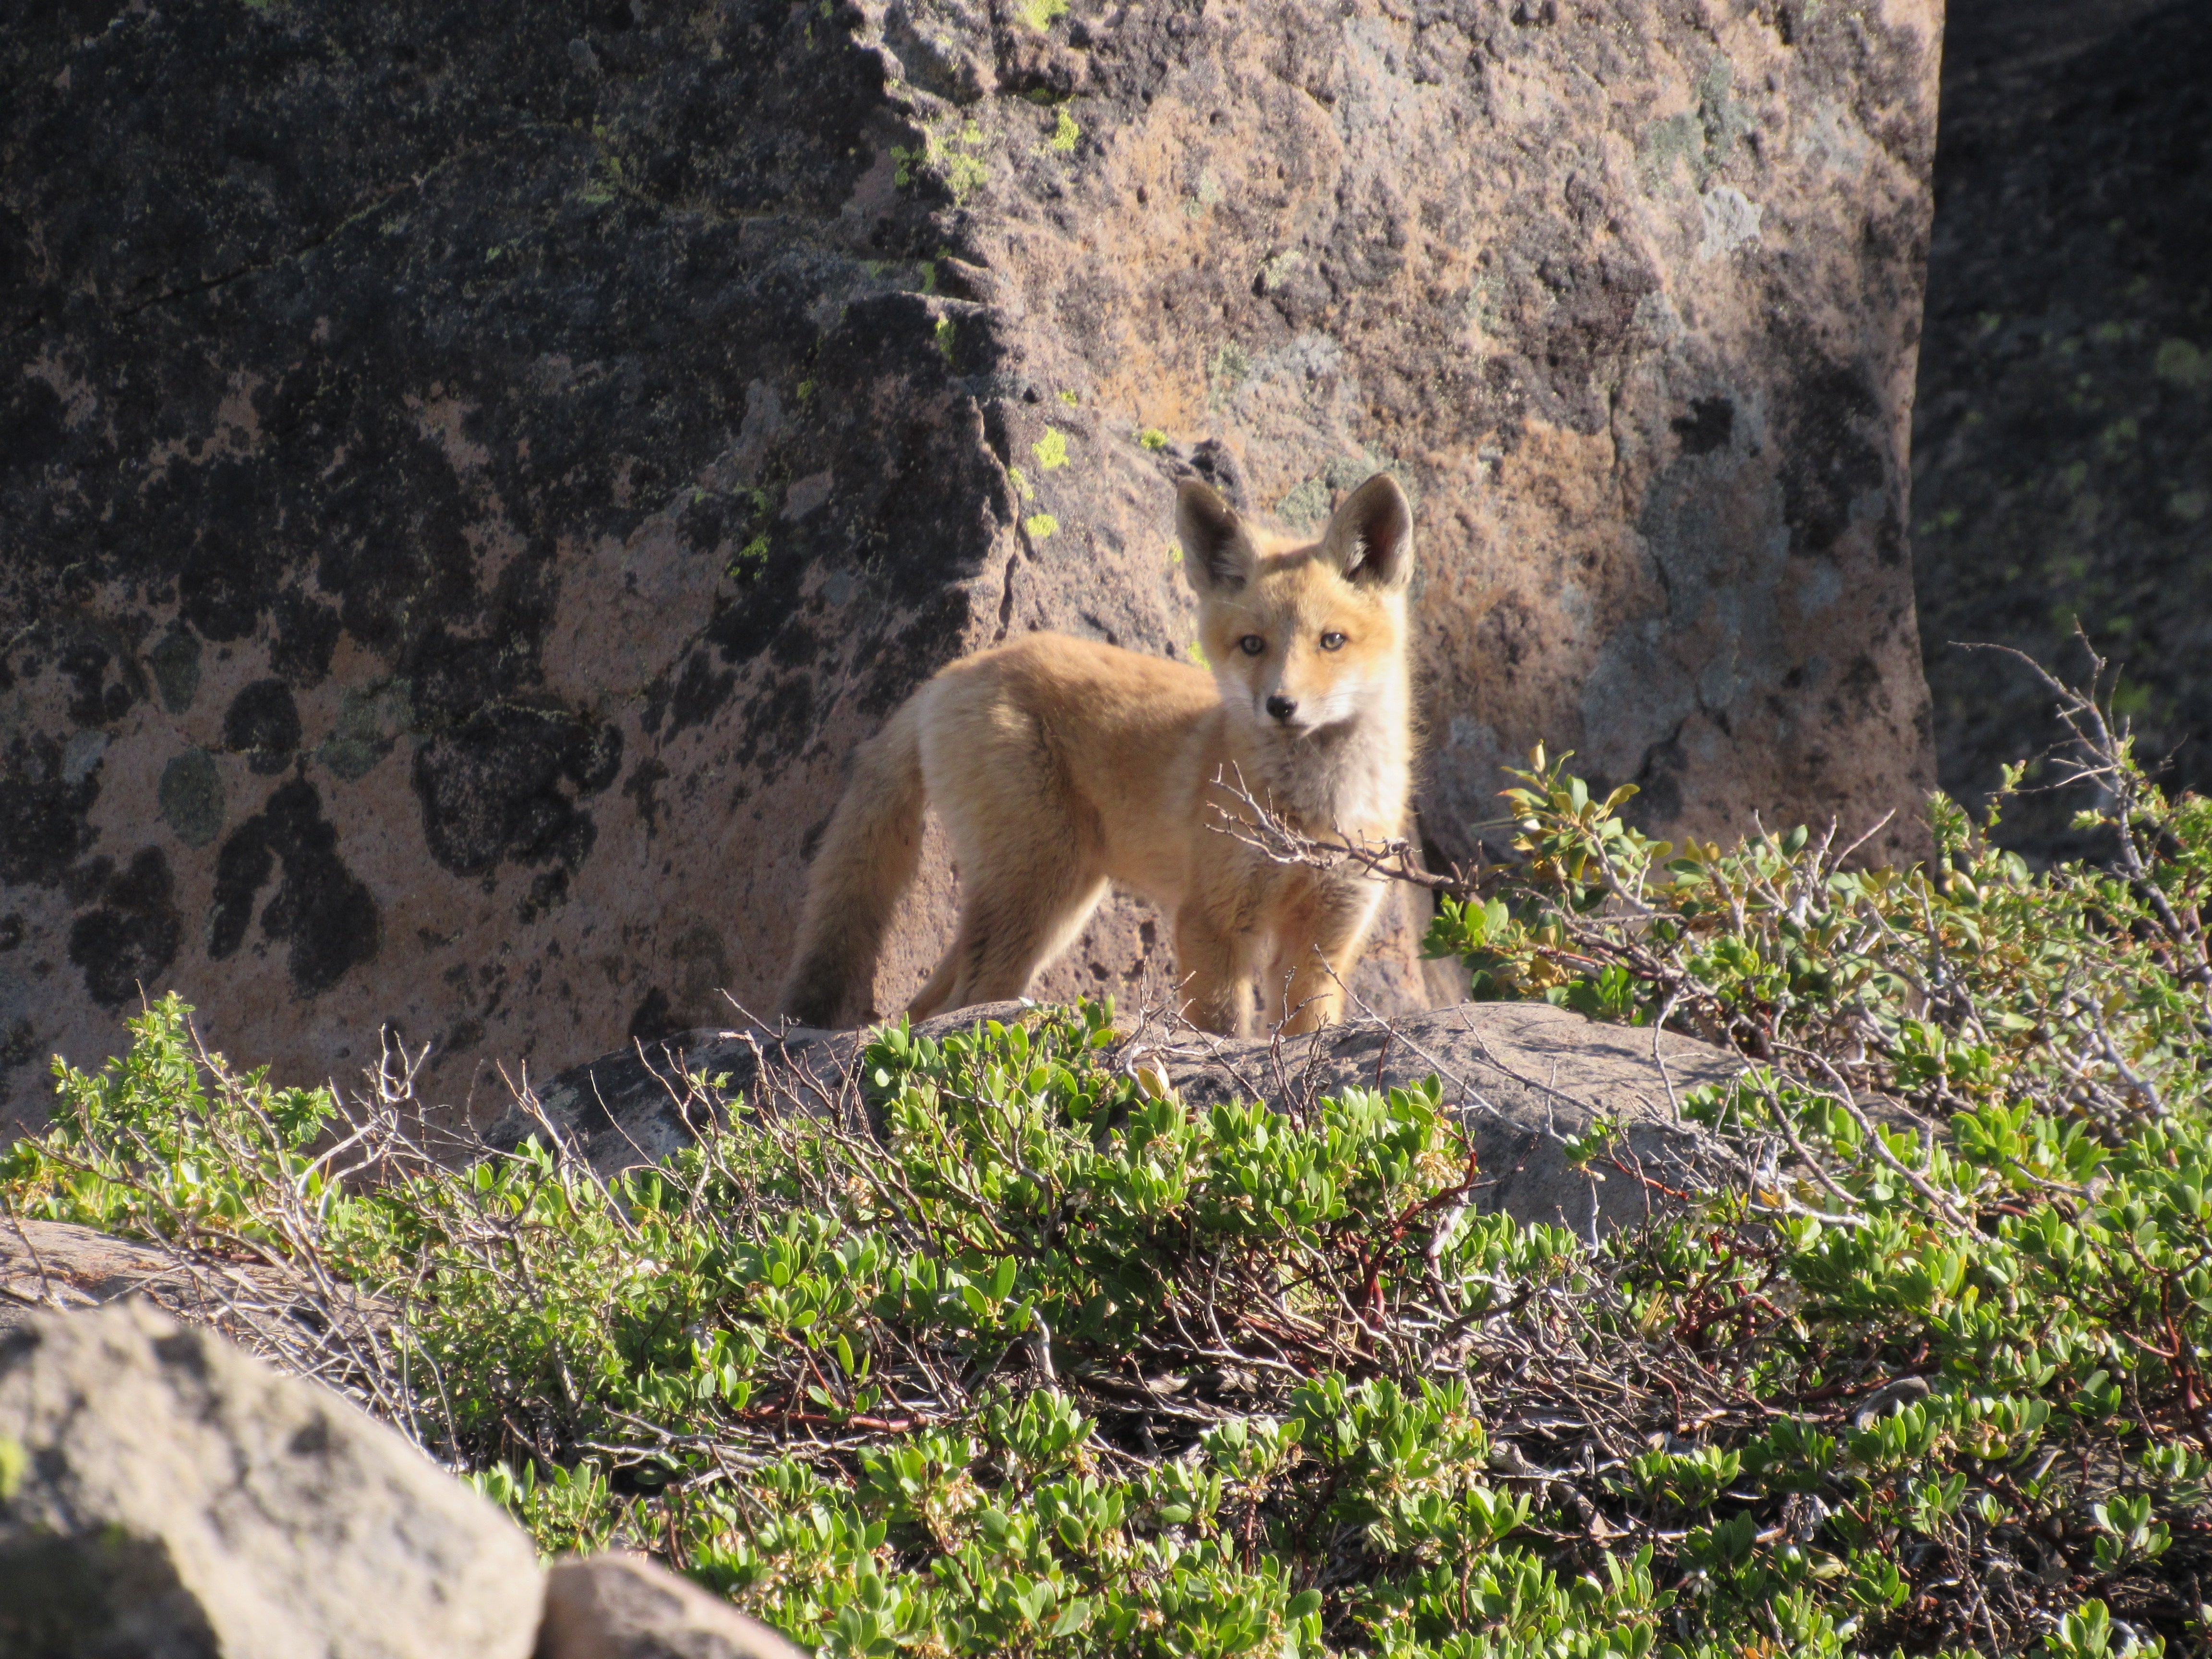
column 472, row 473
column 1524, row 1076
column 58, row 1266
column 184, row 1501
column 2062, row 437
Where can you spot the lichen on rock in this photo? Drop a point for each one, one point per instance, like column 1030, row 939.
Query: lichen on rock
column 475, row 475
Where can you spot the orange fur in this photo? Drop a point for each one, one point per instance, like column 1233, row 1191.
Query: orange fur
column 1059, row 765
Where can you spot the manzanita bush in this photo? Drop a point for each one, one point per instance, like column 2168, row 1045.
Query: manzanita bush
column 1026, row 1355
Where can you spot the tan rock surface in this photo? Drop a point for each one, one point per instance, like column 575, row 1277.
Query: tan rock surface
column 61, row 1268
column 624, row 1606
column 474, row 481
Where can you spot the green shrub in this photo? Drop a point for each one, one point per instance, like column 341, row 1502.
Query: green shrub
column 1020, row 1353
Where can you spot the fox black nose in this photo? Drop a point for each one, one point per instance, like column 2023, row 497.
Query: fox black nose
column 1281, row 707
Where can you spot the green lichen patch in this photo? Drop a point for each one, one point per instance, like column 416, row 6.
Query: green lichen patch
column 1206, row 195
column 1042, row 526
column 1065, row 134
column 370, row 720
column 1701, row 138
column 748, row 563
column 1051, row 450
column 2181, row 363
column 1308, row 505
column 176, row 663
column 191, row 797
column 1229, row 367
column 950, row 158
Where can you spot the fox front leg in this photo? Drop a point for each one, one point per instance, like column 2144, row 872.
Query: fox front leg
column 1313, row 961
column 1215, row 966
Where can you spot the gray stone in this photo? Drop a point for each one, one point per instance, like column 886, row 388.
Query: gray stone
column 57, row 1266
column 1525, row 1078
column 181, row 1499
column 624, row 1606
column 60, row 1267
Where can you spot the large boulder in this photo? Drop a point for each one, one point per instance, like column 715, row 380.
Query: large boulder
column 177, row 1499
column 2063, row 434
column 1524, row 1079
column 474, row 472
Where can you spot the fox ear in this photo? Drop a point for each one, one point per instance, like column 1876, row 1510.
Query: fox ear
column 1217, row 555
column 1370, row 539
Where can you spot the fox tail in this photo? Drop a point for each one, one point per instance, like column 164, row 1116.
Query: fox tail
column 866, row 862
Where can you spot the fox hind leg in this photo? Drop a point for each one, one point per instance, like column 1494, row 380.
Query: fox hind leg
column 937, row 988
column 1011, row 928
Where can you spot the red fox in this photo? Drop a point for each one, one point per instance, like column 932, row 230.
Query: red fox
column 1058, row 765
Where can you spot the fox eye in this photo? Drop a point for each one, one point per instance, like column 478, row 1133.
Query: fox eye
column 1332, row 642
column 1251, row 645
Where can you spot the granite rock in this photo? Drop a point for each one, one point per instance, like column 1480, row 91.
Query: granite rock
column 471, row 474
column 181, row 1500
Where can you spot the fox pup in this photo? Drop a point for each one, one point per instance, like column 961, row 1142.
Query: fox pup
column 1059, row 765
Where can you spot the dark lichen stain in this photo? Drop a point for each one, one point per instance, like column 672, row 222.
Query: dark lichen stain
column 124, row 946
column 263, row 724
column 44, row 816
column 1709, row 425
column 1829, row 461
column 644, row 778
column 653, row 1019
column 97, row 701
column 549, row 891
column 747, row 625
column 506, row 785
column 700, row 693
column 777, row 724
column 307, row 636
column 328, row 914
column 82, row 883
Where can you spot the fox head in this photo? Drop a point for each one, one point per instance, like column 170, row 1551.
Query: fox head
column 1302, row 637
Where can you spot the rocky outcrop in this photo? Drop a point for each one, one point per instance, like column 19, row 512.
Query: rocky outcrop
column 472, row 473
column 164, row 1496
column 181, row 1499
column 61, row 1268
column 2062, row 435
column 1525, row 1078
